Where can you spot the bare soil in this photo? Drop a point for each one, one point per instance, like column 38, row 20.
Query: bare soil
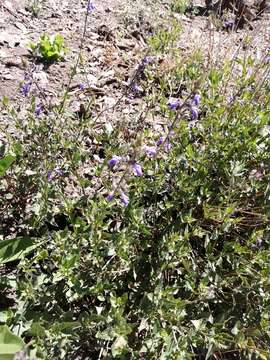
column 115, row 41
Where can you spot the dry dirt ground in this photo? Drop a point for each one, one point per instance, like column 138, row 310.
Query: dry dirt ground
column 116, row 33
column 115, row 41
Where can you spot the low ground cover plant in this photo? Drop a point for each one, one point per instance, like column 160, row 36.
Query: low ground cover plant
column 180, row 6
column 49, row 48
column 35, row 6
column 148, row 241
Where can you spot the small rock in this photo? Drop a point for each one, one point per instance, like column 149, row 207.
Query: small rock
column 7, row 76
column 20, row 26
column 110, row 101
column 91, row 79
column 41, row 78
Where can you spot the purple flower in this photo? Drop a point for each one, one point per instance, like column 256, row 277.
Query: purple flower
column 137, row 169
column 148, row 60
column 90, row 7
column 81, row 87
column 255, row 175
column 258, row 244
column 38, row 109
column 59, row 171
column 168, row 146
column 197, row 99
column 25, row 88
column 150, row 150
column 194, row 113
column 110, row 197
column 124, row 199
column 136, row 88
column 114, row 160
column 145, row 61
column 230, row 99
column 229, row 24
column 174, row 104
column 160, row 141
column 50, row 175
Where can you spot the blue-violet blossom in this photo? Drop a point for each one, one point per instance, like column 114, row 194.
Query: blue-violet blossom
column 124, row 198
column 38, row 109
column 197, row 99
column 148, row 60
column 194, row 113
column 114, row 161
column 56, row 171
column 160, row 141
column 174, row 104
column 229, row 25
column 59, row 171
column 136, row 88
column 167, row 146
column 110, row 197
column 50, row 175
column 90, row 7
column 137, row 169
column 150, row 150
column 25, row 88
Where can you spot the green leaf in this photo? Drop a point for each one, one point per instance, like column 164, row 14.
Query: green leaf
column 9, row 343
column 209, row 352
column 5, row 163
column 32, row 46
column 197, row 323
column 66, row 327
column 15, row 249
column 37, row 329
column 119, row 346
column 5, row 101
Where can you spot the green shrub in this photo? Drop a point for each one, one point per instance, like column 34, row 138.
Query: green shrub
column 143, row 241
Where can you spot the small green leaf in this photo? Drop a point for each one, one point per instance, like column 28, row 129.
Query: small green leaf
column 119, row 346
column 9, row 343
column 66, row 327
column 5, row 101
column 15, row 249
column 197, row 323
column 5, row 163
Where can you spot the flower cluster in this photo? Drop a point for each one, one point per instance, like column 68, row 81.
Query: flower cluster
column 229, row 24
column 90, row 7
column 28, row 80
column 145, row 61
column 114, row 161
column 117, row 159
column 194, row 111
column 165, row 141
column 136, row 89
column 38, row 109
column 174, row 104
column 123, row 197
column 25, row 88
column 150, row 151
column 53, row 173
column 136, row 169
